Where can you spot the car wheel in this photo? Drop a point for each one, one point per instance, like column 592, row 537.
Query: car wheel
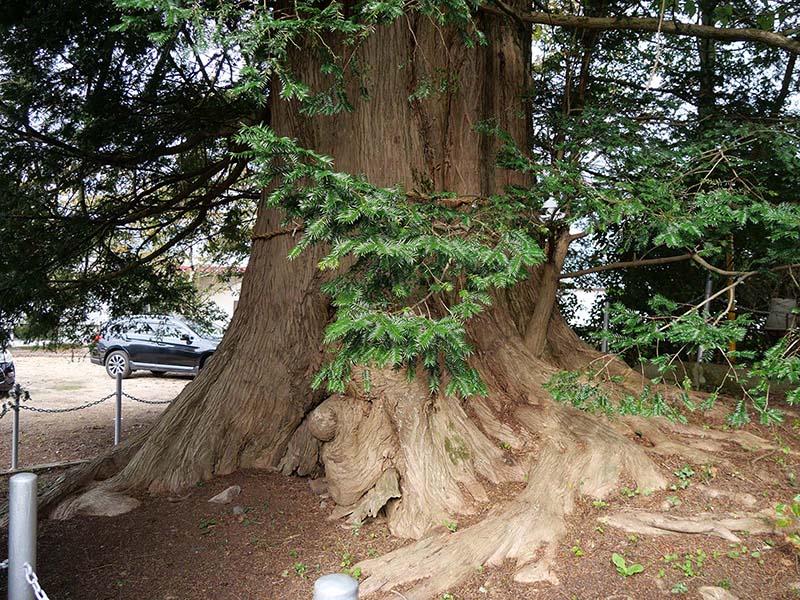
column 158, row 373
column 116, row 363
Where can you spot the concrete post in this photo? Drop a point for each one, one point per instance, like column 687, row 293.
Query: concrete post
column 118, row 415
column 706, row 311
column 21, row 534
column 336, row 587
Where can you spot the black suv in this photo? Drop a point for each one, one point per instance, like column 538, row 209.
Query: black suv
column 153, row 343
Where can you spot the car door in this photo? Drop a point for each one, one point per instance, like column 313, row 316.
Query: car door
column 136, row 334
column 174, row 344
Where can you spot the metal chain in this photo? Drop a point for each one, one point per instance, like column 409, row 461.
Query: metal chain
column 7, row 407
column 65, row 410
column 146, row 401
column 33, row 581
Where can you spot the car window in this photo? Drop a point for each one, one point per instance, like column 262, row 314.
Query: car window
column 129, row 326
column 169, row 329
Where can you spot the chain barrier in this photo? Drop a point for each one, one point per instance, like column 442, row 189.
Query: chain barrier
column 7, row 407
column 33, row 581
column 66, row 410
column 145, row 401
column 19, row 396
column 31, row 578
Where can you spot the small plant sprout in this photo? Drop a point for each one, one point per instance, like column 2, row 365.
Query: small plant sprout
column 206, row 526
column 623, row 568
column 674, row 501
column 684, row 474
column 680, row 588
column 787, row 517
column 301, row 570
column 451, row 525
column 599, row 504
column 576, row 549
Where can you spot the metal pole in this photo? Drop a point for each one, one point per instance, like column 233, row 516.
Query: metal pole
column 15, row 432
column 706, row 311
column 118, row 416
column 21, row 534
column 604, row 344
column 336, row 587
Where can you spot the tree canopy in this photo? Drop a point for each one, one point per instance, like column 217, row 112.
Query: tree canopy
column 137, row 131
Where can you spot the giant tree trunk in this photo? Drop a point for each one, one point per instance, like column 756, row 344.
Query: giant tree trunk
column 420, row 459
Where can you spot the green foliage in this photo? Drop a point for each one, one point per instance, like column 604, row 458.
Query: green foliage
column 451, row 525
column 623, row 568
column 119, row 157
column 586, row 391
column 787, row 518
column 684, row 474
column 417, row 272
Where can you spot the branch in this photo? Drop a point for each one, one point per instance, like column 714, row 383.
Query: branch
column 744, row 276
column 627, row 264
column 273, row 234
column 725, row 34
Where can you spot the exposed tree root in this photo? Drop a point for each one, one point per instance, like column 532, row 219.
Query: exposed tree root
column 648, row 523
column 577, row 455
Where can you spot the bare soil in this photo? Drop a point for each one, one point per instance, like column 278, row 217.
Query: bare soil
column 275, row 539
column 62, row 380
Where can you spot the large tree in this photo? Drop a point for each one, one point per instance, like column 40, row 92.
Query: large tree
column 404, row 349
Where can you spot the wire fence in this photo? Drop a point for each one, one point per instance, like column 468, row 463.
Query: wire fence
column 19, row 398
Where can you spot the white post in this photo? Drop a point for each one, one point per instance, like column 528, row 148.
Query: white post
column 604, row 344
column 21, row 534
column 118, row 416
column 706, row 312
column 336, row 587
column 15, row 432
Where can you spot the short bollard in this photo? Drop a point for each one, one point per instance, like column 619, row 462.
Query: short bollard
column 336, row 587
column 21, row 534
column 118, row 414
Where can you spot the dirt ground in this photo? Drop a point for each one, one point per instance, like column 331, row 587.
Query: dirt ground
column 58, row 380
column 276, row 538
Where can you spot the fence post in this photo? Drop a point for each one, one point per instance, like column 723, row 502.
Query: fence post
column 604, row 343
column 118, row 415
column 21, row 534
column 336, row 587
column 706, row 311
column 15, row 430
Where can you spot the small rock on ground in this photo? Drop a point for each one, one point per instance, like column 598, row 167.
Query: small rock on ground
column 708, row 592
column 227, row 496
column 318, row 486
